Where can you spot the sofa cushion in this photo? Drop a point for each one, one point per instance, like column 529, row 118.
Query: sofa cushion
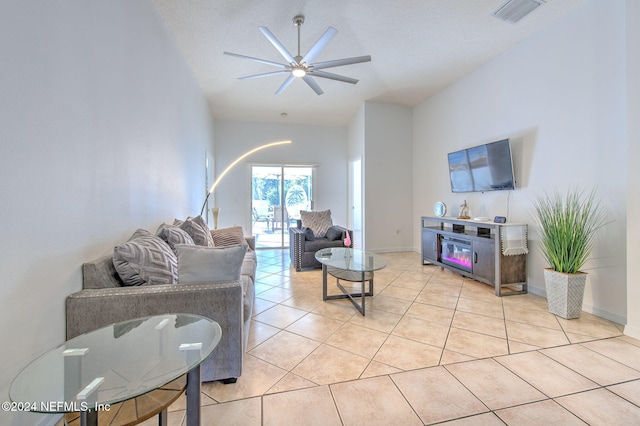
column 231, row 236
column 199, row 234
column 334, row 233
column 173, row 235
column 197, row 264
column 249, row 268
column 320, row 243
column 145, row 259
column 318, row 221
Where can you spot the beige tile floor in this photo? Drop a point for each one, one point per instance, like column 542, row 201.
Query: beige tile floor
column 433, row 348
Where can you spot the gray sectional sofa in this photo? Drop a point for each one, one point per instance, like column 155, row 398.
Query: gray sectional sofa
column 104, row 300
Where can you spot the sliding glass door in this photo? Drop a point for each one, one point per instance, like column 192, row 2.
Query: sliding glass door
column 279, row 192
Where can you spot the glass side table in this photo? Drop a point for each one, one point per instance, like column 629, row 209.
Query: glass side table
column 352, row 265
column 90, row 372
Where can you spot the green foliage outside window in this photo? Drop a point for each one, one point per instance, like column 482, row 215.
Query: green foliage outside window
column 269, row 189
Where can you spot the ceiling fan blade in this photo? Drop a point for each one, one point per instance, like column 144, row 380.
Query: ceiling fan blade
column 332, row 76
column 276, row 43
column 266, row 74
column 341, row 62
column 320, row 44
column 251, row 58
column 312, row 83
column 286, row 83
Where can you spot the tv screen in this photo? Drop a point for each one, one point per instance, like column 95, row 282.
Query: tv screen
column 482, row 168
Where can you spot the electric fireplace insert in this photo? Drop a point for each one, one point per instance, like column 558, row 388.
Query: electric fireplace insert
column 457, row 253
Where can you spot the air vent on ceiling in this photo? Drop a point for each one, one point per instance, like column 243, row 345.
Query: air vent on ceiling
column 513, row 11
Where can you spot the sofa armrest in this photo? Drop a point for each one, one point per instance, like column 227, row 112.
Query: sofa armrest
column 91, row 309
column 344, row 233
column 251, row 241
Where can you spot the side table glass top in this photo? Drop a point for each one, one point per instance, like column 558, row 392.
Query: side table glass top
column 115, row 363
column 349, row 259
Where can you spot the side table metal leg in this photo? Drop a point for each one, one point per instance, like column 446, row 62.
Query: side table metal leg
column 362, row 293
column 324, row 282
column 89, row 418
column 163, row 418
column 193, row 397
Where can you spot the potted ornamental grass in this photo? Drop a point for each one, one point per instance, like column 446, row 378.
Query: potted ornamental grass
column 567, row 225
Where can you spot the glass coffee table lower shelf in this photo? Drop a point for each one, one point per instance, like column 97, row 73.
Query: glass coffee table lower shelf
column 352, row 265
column 138, row 409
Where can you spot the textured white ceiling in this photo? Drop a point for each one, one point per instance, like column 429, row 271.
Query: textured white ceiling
column 418, row 47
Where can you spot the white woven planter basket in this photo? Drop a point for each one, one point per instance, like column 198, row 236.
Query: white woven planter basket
column 565, row 293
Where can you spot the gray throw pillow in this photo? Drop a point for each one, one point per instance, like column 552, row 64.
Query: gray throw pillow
column 197, row 264
column 334, row 233
column 318, row 221
column 145, row 260
column 173, row 235
column 308, row 234
column 200, row 235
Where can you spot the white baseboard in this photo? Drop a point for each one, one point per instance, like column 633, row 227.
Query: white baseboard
column 605, row 314
column 391, row 250
column 632, row 332
column 538, row 291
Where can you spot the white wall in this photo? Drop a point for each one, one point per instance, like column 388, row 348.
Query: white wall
column 102, row 130
column 560, row 97
column 633, row 177
column 388, row 224
column 356, row 136
column 325, row 146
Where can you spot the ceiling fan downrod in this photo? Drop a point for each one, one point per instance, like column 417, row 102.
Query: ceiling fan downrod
column 298, row 20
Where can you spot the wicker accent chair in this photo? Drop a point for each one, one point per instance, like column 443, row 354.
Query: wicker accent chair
column 303, row 251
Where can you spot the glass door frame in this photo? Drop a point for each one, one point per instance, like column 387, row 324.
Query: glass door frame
column 266, row 214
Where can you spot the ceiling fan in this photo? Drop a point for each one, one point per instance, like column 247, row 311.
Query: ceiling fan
column 302, row 66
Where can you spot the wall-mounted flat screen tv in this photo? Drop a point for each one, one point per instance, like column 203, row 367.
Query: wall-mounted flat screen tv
column 482, row 168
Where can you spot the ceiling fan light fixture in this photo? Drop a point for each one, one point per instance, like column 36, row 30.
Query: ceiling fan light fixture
column 298, row 72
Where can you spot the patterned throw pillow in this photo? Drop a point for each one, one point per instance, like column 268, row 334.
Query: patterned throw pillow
column 145, row 260
column 225, row 237
column 198, row 233
column 173, row 235
column 318, row 221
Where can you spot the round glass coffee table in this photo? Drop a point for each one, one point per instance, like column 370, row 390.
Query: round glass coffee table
column 352, row 265
column 116, row 363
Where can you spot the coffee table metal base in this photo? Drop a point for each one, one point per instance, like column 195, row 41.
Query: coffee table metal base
column 351, row 276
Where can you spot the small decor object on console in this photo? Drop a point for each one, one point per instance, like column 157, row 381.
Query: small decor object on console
column 500, row 219
column 464, row 211
column 439, row 209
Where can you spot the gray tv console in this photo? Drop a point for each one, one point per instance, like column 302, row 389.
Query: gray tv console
column 473, row 249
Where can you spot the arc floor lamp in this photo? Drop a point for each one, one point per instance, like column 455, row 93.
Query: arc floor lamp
column 236, row 161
